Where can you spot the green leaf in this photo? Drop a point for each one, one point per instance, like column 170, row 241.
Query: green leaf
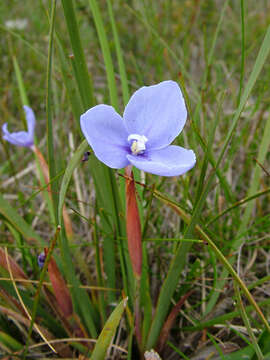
column 108, row 331
column 9, row 342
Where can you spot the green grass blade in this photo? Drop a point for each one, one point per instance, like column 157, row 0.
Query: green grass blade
column 216, row 345
column 242, row 50
column 177, row 350
column 70, row 84
column 50, row 131
column 8, row 341
column 73, row 163
column 23, row 94
column 119, row 54
column 247, row 324
column 106, row 53
column 108, row 331
column 83, row 78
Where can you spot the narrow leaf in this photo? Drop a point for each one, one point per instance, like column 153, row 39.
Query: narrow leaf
column 106, row 53
column 108, row 332
column 82, row 75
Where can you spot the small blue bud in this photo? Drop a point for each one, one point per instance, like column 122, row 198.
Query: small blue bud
column 41, row 259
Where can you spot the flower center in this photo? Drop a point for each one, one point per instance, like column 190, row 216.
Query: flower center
column 137, row 143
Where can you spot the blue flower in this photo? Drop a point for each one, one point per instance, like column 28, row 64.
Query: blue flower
column 153, row 118
column 22, row 138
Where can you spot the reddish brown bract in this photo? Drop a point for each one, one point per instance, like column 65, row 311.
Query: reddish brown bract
column 133, row 224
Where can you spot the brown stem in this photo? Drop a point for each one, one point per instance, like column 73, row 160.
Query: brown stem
column 45, row 171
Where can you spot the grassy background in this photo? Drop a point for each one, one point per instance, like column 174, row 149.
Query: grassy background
column 210, row 49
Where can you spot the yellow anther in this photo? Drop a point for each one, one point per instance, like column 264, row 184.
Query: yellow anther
column 138, row 143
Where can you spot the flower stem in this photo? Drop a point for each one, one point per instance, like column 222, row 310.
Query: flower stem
column 46, row 179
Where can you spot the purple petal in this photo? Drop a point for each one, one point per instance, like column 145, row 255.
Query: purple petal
column 157, row 112
column 31, row 121
column 170, row 161
column 104, row 130
column 20, row 138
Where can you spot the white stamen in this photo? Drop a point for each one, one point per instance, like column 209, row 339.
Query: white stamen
column 138, row 143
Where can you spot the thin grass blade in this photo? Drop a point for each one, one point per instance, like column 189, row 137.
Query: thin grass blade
column 23, row 94
column 106, row 53
column 49, row 111
column 83, row 78
column 108, row 331
column 119, row 54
